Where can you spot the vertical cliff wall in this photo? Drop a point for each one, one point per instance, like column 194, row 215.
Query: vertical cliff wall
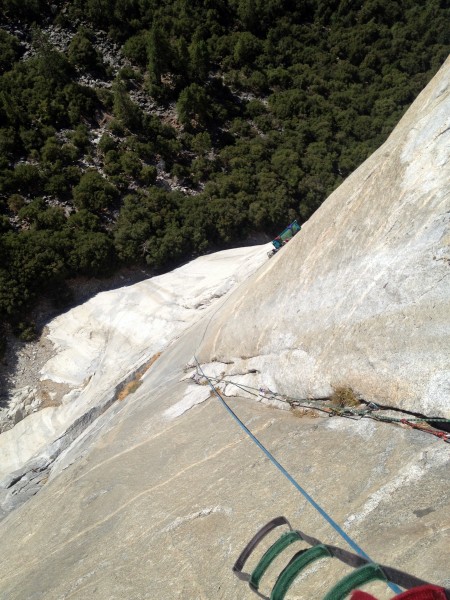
column 361, row 297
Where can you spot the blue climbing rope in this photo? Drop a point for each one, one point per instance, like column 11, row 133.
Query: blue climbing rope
column 280, row 467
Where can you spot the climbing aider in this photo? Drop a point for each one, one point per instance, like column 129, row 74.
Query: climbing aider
column 284, row 237
column 364, row 569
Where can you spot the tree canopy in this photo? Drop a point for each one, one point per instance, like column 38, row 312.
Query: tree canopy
column 205, row 122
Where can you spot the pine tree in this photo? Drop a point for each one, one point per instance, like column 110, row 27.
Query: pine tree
column 199, row 57
column 158, row 52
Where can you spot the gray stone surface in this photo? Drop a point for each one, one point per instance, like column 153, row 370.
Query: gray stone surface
column 104, row 341
column 145, row 505
column 157, row 496
column 361, row 296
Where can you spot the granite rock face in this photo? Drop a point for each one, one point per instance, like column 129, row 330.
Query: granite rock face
column 361, row 296
column 154, row 501
column 108, row 339
column 155, row 494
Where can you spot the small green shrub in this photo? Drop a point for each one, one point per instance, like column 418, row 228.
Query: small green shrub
column 147, row 175
column 15, row 203
column 106, row 143
column 27, row 331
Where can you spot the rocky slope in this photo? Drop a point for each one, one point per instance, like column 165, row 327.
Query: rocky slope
column 156, row 495
column 108, row 341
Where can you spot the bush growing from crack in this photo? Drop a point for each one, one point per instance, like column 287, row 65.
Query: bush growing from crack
column 344, row 396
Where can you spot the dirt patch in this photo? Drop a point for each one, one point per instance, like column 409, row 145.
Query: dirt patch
column 305, row 412
column 51, row 393
column 23, row 361
column 132, row 386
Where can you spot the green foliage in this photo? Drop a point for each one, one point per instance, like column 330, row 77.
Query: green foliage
column 135, row 49
column 147, row 176
column 26, row 331
column 80, row 137
column 131, row 165
column 83, row 221
column 3, row 343
column 28, row 10
column 112, row 164
column 5, row 225
column 93, row 192
column 80, row 101
column 82, row 53
column 246, row 48
column 92, row 254
column 38, row 216
column 61, row 182
column 34, row 262
column 9, row 50
column 50, row 151
column 193, row 106
column 201, row 169
column 278, row 102
column 116, row 128
column 201, row 143
column 8, row 144
column 199, row 59
column 38, row 96
column 125, row 110
column 149, row 228
column 129, row 76
column 26, row 179
column 15, row 203
column 106, row 143
column 158, row 53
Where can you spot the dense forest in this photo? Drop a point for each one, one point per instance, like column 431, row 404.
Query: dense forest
column 136, row 131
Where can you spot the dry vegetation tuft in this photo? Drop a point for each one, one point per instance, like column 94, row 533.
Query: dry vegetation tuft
column 147, row 365
column 129, row 388
column 304, row 412
column 344, row 396
column 133, row 385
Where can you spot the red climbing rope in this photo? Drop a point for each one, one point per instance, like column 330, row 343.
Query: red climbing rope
column 440, row 434
column 424, row 592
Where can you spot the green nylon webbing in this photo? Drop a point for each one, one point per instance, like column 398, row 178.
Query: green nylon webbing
column 270, row 555
column 300, row 561
column 363, row 575
column 423, row 420
column 304, row 556
column 254, row 542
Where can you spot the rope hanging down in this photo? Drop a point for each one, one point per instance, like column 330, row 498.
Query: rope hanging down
column 299, row 488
